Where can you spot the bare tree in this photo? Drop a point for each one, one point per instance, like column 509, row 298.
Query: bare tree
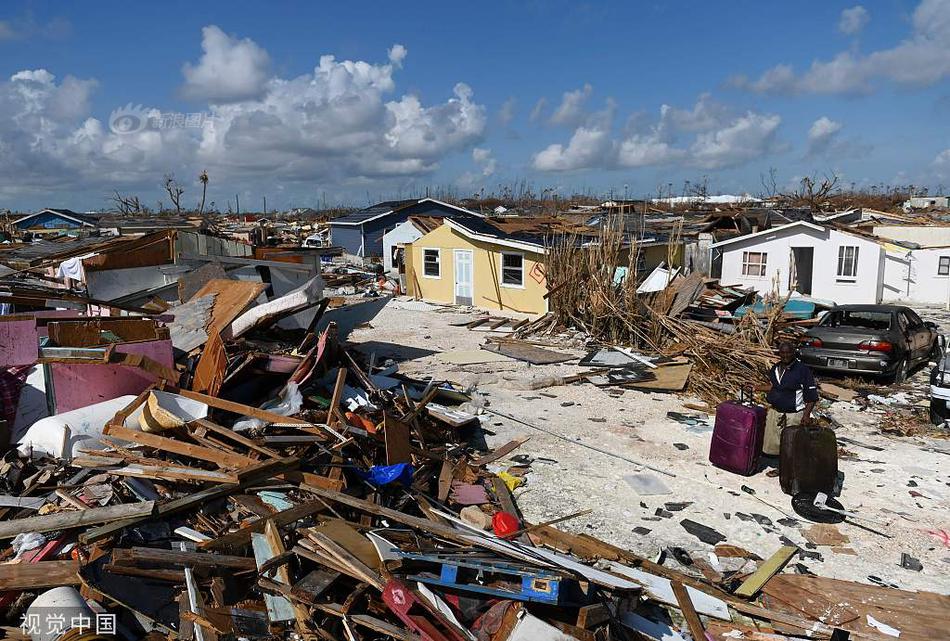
column 203, row 179
column 128, row 204
column 813, row 192
column 174, row 190
column 769, row 186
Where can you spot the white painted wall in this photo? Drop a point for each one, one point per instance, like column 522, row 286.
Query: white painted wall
column 113, row 283
column 404, row 232
column 825, row 283
column 912, row 277
column 923, row 235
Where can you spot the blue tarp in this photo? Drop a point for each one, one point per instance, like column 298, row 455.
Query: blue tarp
column 386, row 474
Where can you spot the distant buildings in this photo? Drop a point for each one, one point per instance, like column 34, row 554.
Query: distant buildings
column 360, row 233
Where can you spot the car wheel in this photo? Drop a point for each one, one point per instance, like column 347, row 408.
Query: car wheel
column 900, row 372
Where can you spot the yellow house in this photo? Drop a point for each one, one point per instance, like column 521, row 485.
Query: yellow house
column 469, row 261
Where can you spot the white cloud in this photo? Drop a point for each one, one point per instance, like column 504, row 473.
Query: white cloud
column 397, row 53
column 342, row 124
column 853, row 20
column 507, row 111
column 707, row 135
column 748, row 137
column 230, row 70
column 921, row 59
column 485, row 161
column 589, row 147
column 825, row 139
column 572, row 108
column 538, row 110
column 821, row 135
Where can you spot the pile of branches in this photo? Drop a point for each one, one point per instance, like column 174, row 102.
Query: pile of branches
column 593, row 287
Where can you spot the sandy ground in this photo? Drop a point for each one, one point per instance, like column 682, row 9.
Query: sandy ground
column 905, row 487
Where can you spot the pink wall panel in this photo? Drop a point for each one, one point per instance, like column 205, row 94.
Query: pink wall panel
column 18, row 341
column 79, row 385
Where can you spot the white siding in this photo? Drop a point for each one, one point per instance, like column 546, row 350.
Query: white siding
column 867, row 287
column 403, row 233
column 923, row 235
column 913, row 277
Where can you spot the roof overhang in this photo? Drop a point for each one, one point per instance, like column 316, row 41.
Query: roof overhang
column 81, row 222
column 773, row 230
column 393, row 211
column 504, row 242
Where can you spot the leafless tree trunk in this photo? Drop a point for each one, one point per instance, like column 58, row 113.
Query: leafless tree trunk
column 174, row 190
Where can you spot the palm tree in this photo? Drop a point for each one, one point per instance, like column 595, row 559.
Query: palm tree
column 203, row 178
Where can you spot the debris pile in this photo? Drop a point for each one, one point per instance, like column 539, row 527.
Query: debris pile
column 723, row 331
column 352, row 503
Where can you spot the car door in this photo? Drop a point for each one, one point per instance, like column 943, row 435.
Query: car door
column 921, row 333
column 906, row 336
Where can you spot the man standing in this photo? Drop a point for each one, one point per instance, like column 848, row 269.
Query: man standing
column 792, row 395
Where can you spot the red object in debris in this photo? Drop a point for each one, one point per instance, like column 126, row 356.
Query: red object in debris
column 505, row 524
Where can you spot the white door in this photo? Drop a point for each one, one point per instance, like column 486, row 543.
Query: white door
column 463, row 277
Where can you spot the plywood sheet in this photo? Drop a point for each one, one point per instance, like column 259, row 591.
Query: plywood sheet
column 231, row 298
column 529, row 353
column 18, row 340
column 212, row 366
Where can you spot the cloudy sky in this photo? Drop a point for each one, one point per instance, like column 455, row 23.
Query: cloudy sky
column 306, row 103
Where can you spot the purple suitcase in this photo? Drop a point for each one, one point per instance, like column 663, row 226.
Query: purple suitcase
column 737, row 436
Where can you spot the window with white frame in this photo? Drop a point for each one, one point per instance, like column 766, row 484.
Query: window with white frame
column 512, row 270
column 432, row 263
column 848, row 262
column 753, row 263
column 943, row 266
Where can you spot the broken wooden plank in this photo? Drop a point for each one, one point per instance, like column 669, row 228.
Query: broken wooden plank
column 212, row 366
column 252, row 475
column 165, row 444
column 504, row 450
column 397, row 436
column 32, row 576
column 689, row 612
column 159, row 472
column 279, row 608
column 176, row 557
column 242, row 536
column 766, row 571
column 69, row 520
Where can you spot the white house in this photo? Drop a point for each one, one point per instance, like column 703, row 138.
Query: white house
column 917, row 275
column 801, row 256
column 402, row 234
column 926, row 202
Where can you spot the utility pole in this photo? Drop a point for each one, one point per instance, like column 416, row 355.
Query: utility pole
column 265, row 205
column 237, row 199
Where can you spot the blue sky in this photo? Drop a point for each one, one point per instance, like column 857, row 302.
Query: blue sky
column 351, row 102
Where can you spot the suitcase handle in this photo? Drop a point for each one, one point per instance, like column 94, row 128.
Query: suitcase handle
column 750, row 390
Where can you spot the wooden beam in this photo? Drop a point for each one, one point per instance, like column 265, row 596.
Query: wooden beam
column 334, row 414
column 259, row 472
column 69, row 520
column 165, row 444
column 766, row 571
column 176, row 557
column 242, row 536
column 32, row 576
column 240, row 439
column 689, row 612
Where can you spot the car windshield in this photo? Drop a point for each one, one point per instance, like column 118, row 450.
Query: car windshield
column 853, row 318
